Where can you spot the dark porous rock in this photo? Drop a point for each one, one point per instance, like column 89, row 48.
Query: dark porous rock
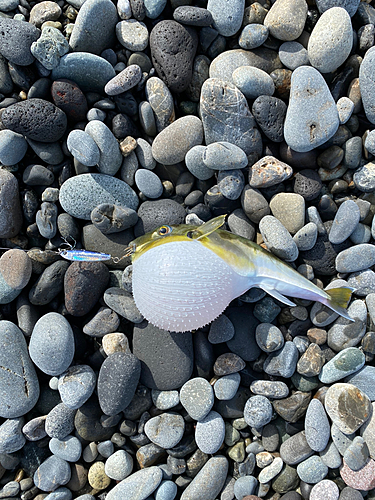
column 308, row 184
column 49, row 284
column 10, row 207
column 87, row 422
column 84, row 283
column 226, row 117
column 16, row 38
column 117, row 382
column 166, row 357
column 153, row 214
column 298, row 160
column 69, row 98
column 243, row 343
column 323, row 255
column 173, row 48
column 269, row 113
column 193, row 16
column 37, row 119
column 19, row 386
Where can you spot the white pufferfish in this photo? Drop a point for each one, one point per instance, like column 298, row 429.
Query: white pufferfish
column 185, row 276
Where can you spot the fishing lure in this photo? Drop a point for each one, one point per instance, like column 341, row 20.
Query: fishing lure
column 185, row 276
column 83, row 255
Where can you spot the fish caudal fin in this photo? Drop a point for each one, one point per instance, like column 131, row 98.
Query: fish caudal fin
column 339, row 300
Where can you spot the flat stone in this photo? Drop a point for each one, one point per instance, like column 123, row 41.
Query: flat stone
column 364, row 177
column 364, row 479
column 51, row 474
column 366, row 74
column 226, row 387
column 293, row 55
column 295, row 449
column 13, row 147
column 319, row 120
column 355, row 258
column 76, row 385
column 270, row 388
column 289, row 209
column 253, row 82
column 312, row 470
column 224, row 156
column 364, row 379
column 357, row 454
column 110, row 158
column 347, row 361
column 347, row 406
column 278, row 239
column 345, row 333
column 209, row 433
column 161, row 102
column 165, row 430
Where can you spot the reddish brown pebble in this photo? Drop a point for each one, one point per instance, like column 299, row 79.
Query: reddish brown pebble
column 70, row 98
column 317, row 336
column 228, row 363
column 363, row 479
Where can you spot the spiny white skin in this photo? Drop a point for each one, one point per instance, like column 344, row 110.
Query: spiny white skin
column 182, row 286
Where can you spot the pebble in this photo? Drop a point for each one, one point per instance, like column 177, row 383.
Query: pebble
column 317, row 428
column 313, row 114
column 363, row 379
column 209, row 481
column 289, row 209
column 97, row 477
column 51, row 345
column 141, row 483
column 76, row 385
column 68, row 448
column 269, row 113
column 364, row 178
column 148, row 183
column 69, row 98
column 269, row 171
column 164, row 400
column 124, row 81
column 13, row 147
column 268, row 473
column 83, row 147
column 347, row 406
column 258, row 411
column 253, row 36
column 226, row 387
column 331, row 456
column 117, row 382
column 197, row 397
column 16, row 38
column 209, row 433
column 165, row 430
column 224, row 156
column 270, row 389
column 346, row 362
column 345, row 333
column 293, row 55
column 119, row 465
column 312, row 470
column 51, row 474
column 95, row 189
column 132, row 34
column 161, row 102
column 253, row 82
column 171, row 145
column 60, row 421
column 269, row 337
column 278, row 239
column 345, row 107
column 357, row 454
column 356, row 258
column 173, row 47
column 331, row 40
column 282, row 362
column 345, row 222
column 192, row 16
column 110, row 218
column 50, row 47
column 11, row 437
column 365, row 76
column 110, row 155
column 221, row 330
column 285, row 20
column 154, row 8
column 364, row 479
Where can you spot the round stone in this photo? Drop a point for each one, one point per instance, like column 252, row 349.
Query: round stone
column 253, row 82
column 312, row 470
column 210, row 432
column 13, row 147
column 197, row 397
column 76, row 385
column 83, row 147
column 51, row 474
column 97, row 477
column 258, row 411
column 226, row 387
column 165, row 430
column 132, row 34
column 119, row 465
column 148, row 183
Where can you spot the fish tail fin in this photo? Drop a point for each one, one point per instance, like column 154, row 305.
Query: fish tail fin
column 339, row 299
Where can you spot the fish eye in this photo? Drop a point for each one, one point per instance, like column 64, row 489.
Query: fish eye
column 189, row 234
column 164, row 230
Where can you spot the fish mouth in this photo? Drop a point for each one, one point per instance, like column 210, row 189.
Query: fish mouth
column 130, row 250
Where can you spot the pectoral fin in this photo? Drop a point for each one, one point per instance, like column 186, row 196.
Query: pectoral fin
column 209, row 227
column 277, row 295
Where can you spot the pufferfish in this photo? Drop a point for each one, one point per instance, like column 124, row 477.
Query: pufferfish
column 185, row 276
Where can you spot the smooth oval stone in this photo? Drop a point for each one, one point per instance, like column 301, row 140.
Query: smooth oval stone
column 268, row 473
column 13, row 147
column 295, row 449
column 51, row 474
column 270, row 389
column 79, row 195
column 227, row 16
column 110, row 159
column 364, row 379
column 226, row 117
column 344, row 333
column 355, row 258
column 51, row 344
column 76, row 385
column 282, row 362
column 148, row 183
column 161, row 102
column 317, row 427
column 165, row 430
column 117, row 382
column 345, row 222
column 253, row 82
column 253, row 36
column 89, row 71
column 19, row 386
column 132, row 34
column 258, row 411
column 293, row 55
column 347, row 406
column 366, row 76
column 346, row 362
column 209, row 433
column 166, row 358
column 197, row 397
column 278, row 239
column 223, row 66
column 16, row 39
column 15, row 268
column 173, row 47
column 192, row 16
column 312, row 470
column 224, row 156
column 312, row 117
column 10, row 207
column 119, row 465
column 139, row 484
column 209, row 481
column 226, row 387
column 88, row 34
column 331, row 40
column 83, row 147
column 171, row 144
column 49, row 284
column 286, row 19
column 37, row 119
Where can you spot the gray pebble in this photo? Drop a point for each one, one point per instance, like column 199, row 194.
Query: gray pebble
column 119, row 465
column 286, row 20
column 46, row 220
column 197, row 397
column 144, row 154
column 11, row 436
column 352, row 153
column 331, row 40
column 295, row 449
column 231, row 183
column 161, row 102
column 346, row 362
column 110, row 155
column 50, row 47
column 268, row 473
column 306, row 237
column 270, row 389
column 350, row 5
column 364, row 177
column 226, row 387
column 209, row 481
column 194, row 163
column 165, row 430
column 342, row 441
column 345, row 107
column 79, row 195
column 132, row 34
column 76, row 385
column 13, row 147
column 357, row 454
column 345, row 222
column 227, row 17
column 83, row 147
column 345, row 333
column 35, row 175
column 110, row 218
column 252, row 36
column 360, row 235
column 356, row 258
column 258, row 411
column 282, row 362
column 106, row 448
column 52, row 344
column 363, row 282
column 293, row 55
column 10, row 207
column 253, row 82
column 364, row 379
column 221, row 330
column 164, row 400
column 16, row 39
column 60, row 421
column 331, row 456
column 51, row 474
column 278, row 239
column 209, row 433
column 312, row 470
column 141, row 483
column 148, row 183
column 122, row 302
column 366, row 74
column 68, row 448
column 147, row 118
column 124, row 81
column 244, row 486
column 268, row 337
column 224, row 156
column 154, row 8
column 317, row 427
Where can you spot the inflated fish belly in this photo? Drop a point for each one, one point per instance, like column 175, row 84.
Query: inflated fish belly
column 186, row 287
